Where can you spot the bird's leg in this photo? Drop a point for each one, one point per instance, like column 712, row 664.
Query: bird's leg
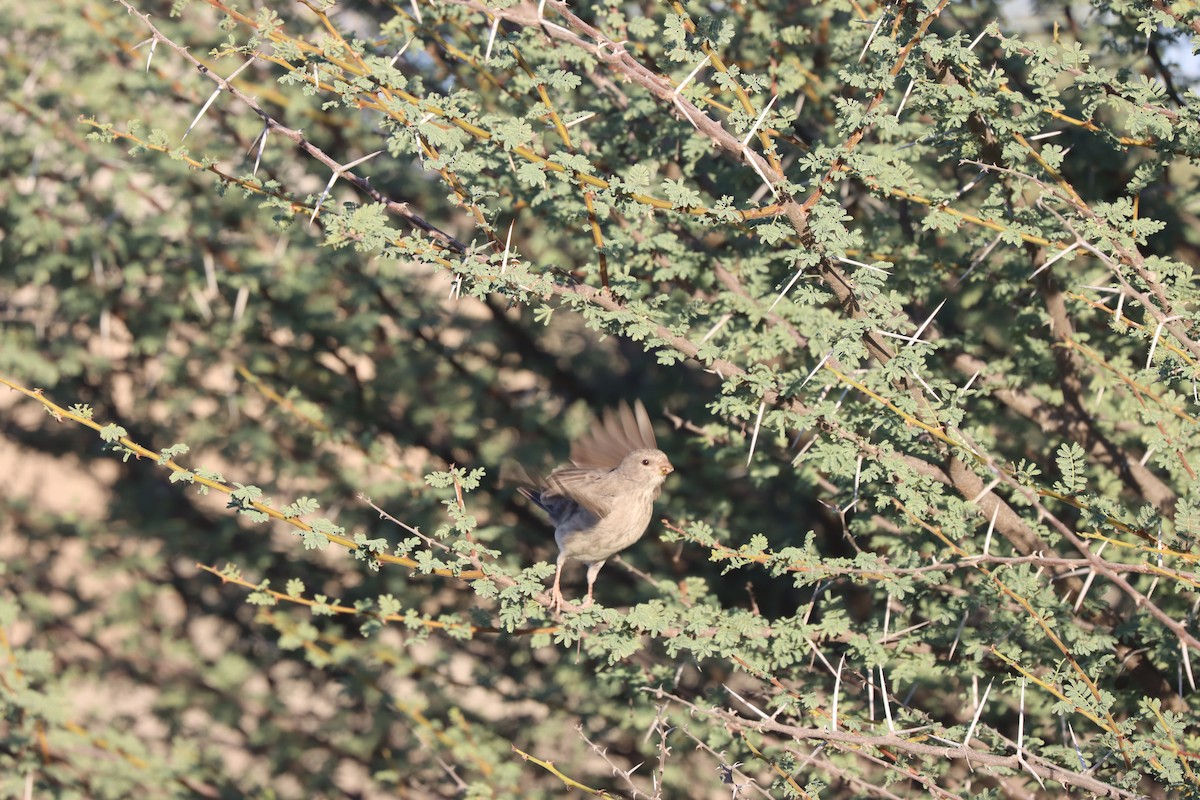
column 593, row 571
column 556, row 598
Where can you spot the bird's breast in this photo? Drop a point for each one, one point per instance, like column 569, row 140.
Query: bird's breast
column 589, row 539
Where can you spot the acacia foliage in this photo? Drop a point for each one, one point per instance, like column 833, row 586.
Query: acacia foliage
column 907, row 287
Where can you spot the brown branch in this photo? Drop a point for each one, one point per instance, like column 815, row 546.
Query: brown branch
column 1047, row 770
column 1047, row 418
column 296, row 136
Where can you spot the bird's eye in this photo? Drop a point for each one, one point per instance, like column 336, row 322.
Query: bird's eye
column 645, row 462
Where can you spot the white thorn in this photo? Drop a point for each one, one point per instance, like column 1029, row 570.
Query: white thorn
column 759, row 121
column 757, row 424
column 925, row 385
column 239, row 305
column 210, row 272
column 487, row 56
column 984, row 491
column 958, row 634
column 262, row 144
column 552, row 26
column 691, row 75
column 899, row 336
column 971, row 184
column 220, row 85
column 978, row 710
column 977, row 39
column 887, row 704
column 870, row 39
column 317, row 209
column 1069, row 249
column 1157, row 333
column 358, row 161
column 904, row 100
column 507, row 243
column 857, row 478
column 754, row 163
column 928, row 320
column 1083, row 765
column 987, row 540
column 837, row 688
column 1087, row 583
column 815, row 369
column 978, row 260
column 396, row 57
column 1187, row 664
column 201, row 303
column 821, row 656
column 717, row 326
column 787, row 289
column 200, row 113
column 683, row 110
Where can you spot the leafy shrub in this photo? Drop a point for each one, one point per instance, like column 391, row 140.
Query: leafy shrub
column 906, row 287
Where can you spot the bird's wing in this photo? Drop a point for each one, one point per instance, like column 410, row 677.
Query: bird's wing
column 594, row 489
column 618, row 433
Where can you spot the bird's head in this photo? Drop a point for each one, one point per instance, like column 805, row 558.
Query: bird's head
column 649, row 466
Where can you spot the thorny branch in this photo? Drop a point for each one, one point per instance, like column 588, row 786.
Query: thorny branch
column 896, row 742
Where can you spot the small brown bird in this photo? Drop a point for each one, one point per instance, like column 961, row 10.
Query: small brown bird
column 603, row 500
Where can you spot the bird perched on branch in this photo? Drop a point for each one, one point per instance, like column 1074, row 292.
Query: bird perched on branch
column 602, row 501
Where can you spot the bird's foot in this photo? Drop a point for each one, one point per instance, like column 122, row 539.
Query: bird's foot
column 559, row 604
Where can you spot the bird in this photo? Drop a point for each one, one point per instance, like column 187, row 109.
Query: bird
column 602, row 501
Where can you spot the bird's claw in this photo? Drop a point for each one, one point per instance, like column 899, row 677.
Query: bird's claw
column 559, row 604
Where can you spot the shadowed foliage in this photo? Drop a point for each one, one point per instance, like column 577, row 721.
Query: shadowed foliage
column 905, row 289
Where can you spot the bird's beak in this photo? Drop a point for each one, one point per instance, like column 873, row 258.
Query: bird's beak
column 667, row 469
